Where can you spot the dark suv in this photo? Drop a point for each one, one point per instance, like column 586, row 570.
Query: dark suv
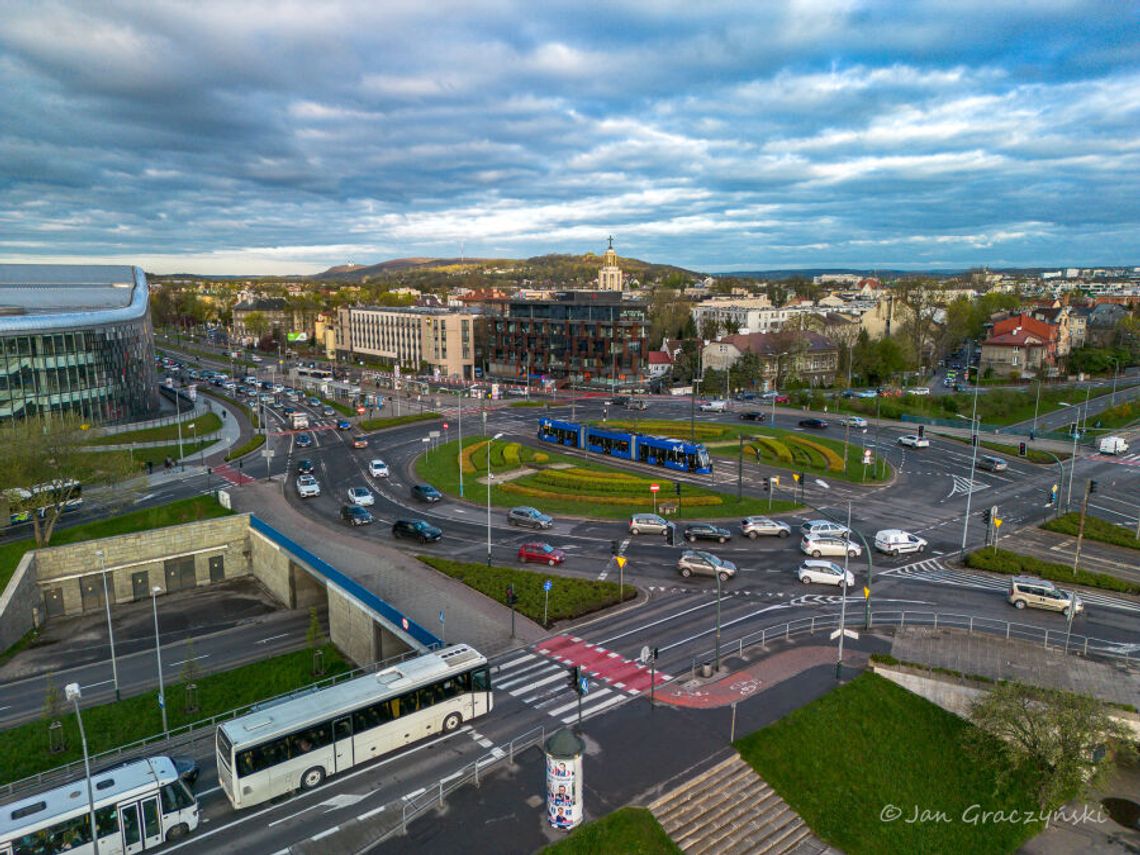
column 420, row 530
column 426, row 493
column 355, row 515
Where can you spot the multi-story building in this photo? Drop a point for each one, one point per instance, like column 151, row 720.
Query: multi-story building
column 414, row 338
column 754, row 314
column 254, row 317
column 76, row 338
column 805, row 356
column 575, row 336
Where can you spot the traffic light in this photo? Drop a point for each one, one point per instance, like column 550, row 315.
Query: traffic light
column 574, row 674
column 767, row 485
column 973, row 439
column 987, row 516
column 677, row 487
column 671, row 534
column 1021, row 448
column 614, row 547
column 1092, row 487
column 921, row 431
column 512, row 597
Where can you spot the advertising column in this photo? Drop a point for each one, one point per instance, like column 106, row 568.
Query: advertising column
column 564, row 796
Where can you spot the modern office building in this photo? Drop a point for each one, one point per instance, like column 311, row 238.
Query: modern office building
column 419, row 339
column 76, row 338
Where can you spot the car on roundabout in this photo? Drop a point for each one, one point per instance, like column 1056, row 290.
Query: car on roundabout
column 307, row 486
column 704, row 564
column 355, row 515
column 893, row 541
column 361, row 496
column 992, row 463
column 913, row 440
column 707, row 531
column 755, row 527
column 426, row 493
column 359, row 442
column 825, row 573
column 854, row 421
column 420, row 530
column 541, row 553
column 304, row 440
column 343, row 424
column 524, row 515
column 305, row 466
column 378, row 468
column 818, row 547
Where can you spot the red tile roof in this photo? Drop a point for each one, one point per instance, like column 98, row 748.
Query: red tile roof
column 657, row 357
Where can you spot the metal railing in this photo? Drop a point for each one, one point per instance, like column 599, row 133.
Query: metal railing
column 1049, row 639
column 433, row 796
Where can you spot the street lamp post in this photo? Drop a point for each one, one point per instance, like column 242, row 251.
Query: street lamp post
column 1115, row 374
column 866, row 548
column 110, row 629
column 693, row 409
column 975, row 441
column 73, row 694
column 491, row 440
column 718, row 572
column 1036, row 407
column 154, row 592
column 460, row 456
column 843, row 602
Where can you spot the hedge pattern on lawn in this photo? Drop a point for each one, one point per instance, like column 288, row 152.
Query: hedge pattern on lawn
column 1095, row 529
column 1002, row 561
column 831, row 458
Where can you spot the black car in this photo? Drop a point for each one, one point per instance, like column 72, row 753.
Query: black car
column 746, row 396
column 426, row 493
column 619, row 401
column 420, row 530
column 814, row 424
column 752, row 416
column 707, row 531
column 305, row 467
column 355, row 515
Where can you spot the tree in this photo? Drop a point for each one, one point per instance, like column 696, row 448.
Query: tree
column 256, row 324
column 710, row 328
column 48, row 463
column 1056, row 735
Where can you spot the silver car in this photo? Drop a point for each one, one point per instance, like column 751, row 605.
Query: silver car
column 817, row 547
column 825, row 572
column 756, row 527
column 648, row 524
column 528, row 516
column 706, row 564
column 992, row 463
column 823, row 528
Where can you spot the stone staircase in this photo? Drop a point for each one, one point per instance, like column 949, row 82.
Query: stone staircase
column 730, row 810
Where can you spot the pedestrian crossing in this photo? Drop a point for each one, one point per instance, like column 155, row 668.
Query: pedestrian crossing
column 234, row 476
column 1121, row 459
column 540, row 678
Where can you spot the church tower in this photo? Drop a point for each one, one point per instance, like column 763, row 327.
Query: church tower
column 609, row 277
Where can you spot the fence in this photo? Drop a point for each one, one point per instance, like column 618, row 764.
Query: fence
column 1050, row 639
column 197, row 408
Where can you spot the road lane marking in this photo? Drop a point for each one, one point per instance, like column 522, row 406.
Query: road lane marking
column 272, row 638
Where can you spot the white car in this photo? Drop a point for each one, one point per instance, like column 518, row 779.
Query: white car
column 714, row 406
column 307, row 486
column 913, row 440
column 894, row 541
column 824, row 572
column 854, row 421
column 918, row 390
column 361, row 496
column 818, row 547
column 378, row 469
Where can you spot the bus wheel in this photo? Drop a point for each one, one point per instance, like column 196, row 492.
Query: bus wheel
column 177, row 832
column 452, row 721
column 312, row 778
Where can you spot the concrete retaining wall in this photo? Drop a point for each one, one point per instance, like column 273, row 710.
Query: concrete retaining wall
column 20, row 603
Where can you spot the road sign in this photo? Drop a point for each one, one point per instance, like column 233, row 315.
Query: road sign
column 850, row 633
column 267, row 452
column 866, row 593
column 997, row 522
column 868, row 457
column 653, row 488
column 620, row 559
column 433, row 434
column 645, row 654
column 547, row 585
column 584, row 685
column 445, row 425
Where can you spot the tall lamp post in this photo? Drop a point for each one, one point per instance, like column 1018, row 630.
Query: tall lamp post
column 843, row 603
column 1115, row 374
column 154, row 592
column 110, row 629
column 866, row 548
column 72, row 693
column 975, row 441
column 491, row 440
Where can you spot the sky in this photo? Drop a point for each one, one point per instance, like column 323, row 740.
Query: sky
column 244, row 137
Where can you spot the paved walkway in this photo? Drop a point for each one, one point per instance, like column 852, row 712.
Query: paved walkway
column 393, row 575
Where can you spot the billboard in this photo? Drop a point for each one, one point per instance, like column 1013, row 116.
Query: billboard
column 297, row 336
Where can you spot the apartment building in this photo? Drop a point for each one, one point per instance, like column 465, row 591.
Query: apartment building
column 417, row 339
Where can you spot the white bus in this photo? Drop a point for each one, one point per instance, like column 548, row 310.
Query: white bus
column 138, row 805
column 295, row 743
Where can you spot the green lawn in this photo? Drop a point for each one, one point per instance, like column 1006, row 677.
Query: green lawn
column 256, row 441
column 1122, row 415
column 157, row 454
column 1001, row 561
column 24, row 748
column 1095, row 529
column 175, row 513
column 796, row 451
column 847, row 761
column 995, row 406
column 203, row 426
column 570, row 597
column 1032, row 455
column 370, row 425
column 560, row 484
column 628, row 831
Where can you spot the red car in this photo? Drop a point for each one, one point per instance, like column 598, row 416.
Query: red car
column 783, row 399
column 359, row 442
column 543, row 553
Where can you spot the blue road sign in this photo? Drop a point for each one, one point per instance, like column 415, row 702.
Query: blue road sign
column 547, row 585
column 441, row 615
column 584, row 685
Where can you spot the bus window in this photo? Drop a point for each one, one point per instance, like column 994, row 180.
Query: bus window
column 175, row 797
column 481, row 680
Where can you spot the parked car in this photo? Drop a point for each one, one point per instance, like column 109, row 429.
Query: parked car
column 420, row 530
column 913, row 440
column 361, row 496
column 817, row 547
column 992, row 463
column 359, row 442
column 525, row 515
column 814, row 424
column 704, row 564
column 707, row 531
column 305, row 466
column 894, row 541
column 867, row 393
column 854, row 421
column 304, row 440
column 783, row 399
column 378, row 468
column 753, row 416
column 343, row 424
column 825, row 573
column 542, row 553
column 307, row 486
column 755, row 527
column 1042, row 594
column 355, row 515
column 648, row 524
column 426, row 493
column 824, row 528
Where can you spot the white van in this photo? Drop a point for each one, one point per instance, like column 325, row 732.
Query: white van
column 895, row 541
column 1113, row 445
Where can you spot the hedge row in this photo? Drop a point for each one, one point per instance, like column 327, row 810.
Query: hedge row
column 256, row 442
column 511, row 454
column 833, row 461
column 1095, row 529
column 775, row 448
column 1001, row 561
column 581, row 482
column 704, row 431
column 636, row 501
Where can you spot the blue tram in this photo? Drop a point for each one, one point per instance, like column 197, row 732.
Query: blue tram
column 661, row 451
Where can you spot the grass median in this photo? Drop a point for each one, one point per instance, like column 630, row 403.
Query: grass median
column 1032, row 455
column 370, row 425
column 204, row 425
column 628, row 830
column 255, row 442
column 570, row 596
column 1096, row 529
column 1013, row 564
column 24, row 748
column 859, row 762
column 561, row 484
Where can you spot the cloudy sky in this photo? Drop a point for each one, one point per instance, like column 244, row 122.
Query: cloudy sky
column 277, row 137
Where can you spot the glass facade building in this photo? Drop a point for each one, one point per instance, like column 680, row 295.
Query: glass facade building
column 76, row 338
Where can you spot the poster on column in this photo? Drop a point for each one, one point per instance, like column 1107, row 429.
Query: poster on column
column 563, row 791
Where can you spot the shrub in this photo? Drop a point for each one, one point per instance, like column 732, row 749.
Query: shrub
column 255, row 442
column 1095, row 529
column 831, row 457
column 1002, row 561
column 540, row 457
column 774, row 448
column 511, row 454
